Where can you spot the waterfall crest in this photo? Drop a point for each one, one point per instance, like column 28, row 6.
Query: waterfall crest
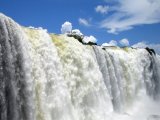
column 54, row 77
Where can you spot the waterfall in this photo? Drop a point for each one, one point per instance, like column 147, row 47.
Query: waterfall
column 54, row 77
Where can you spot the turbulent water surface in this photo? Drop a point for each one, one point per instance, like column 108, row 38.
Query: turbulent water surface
column 54, row 77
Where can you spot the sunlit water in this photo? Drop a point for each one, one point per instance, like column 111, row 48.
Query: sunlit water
column 54, row 77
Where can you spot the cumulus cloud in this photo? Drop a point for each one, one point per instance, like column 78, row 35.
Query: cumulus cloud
column 77, row 32
column 143, row 44
column 88, row 39
column 102, row 9
column 66, row 27
column 127, row 14
column 140, row 45
column 124, row 42
column 31, row 27
column 111, row 43
column 83, row 21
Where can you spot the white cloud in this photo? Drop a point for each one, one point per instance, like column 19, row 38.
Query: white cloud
column 66, row 27
column 143, row 44
column 106, row 44
column 83, row 21
column 124, row 42
column 88, row 39
column 140, row 45
column 31, row 27
column 76, row 32
column 111, row 43
column 102, row 9
column 130, row 13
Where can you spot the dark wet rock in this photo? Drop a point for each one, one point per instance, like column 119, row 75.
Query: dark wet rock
column 151, row 51
column 90, row 43
column 79, row 38
column 103, row 48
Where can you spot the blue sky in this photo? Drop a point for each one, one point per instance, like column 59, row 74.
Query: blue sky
column 135, row 20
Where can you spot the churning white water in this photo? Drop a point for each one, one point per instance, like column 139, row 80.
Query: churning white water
column 54, row 77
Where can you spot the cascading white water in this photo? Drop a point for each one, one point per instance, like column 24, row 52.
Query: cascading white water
column 89, row 95
column 54, row 77
column 133, row 85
